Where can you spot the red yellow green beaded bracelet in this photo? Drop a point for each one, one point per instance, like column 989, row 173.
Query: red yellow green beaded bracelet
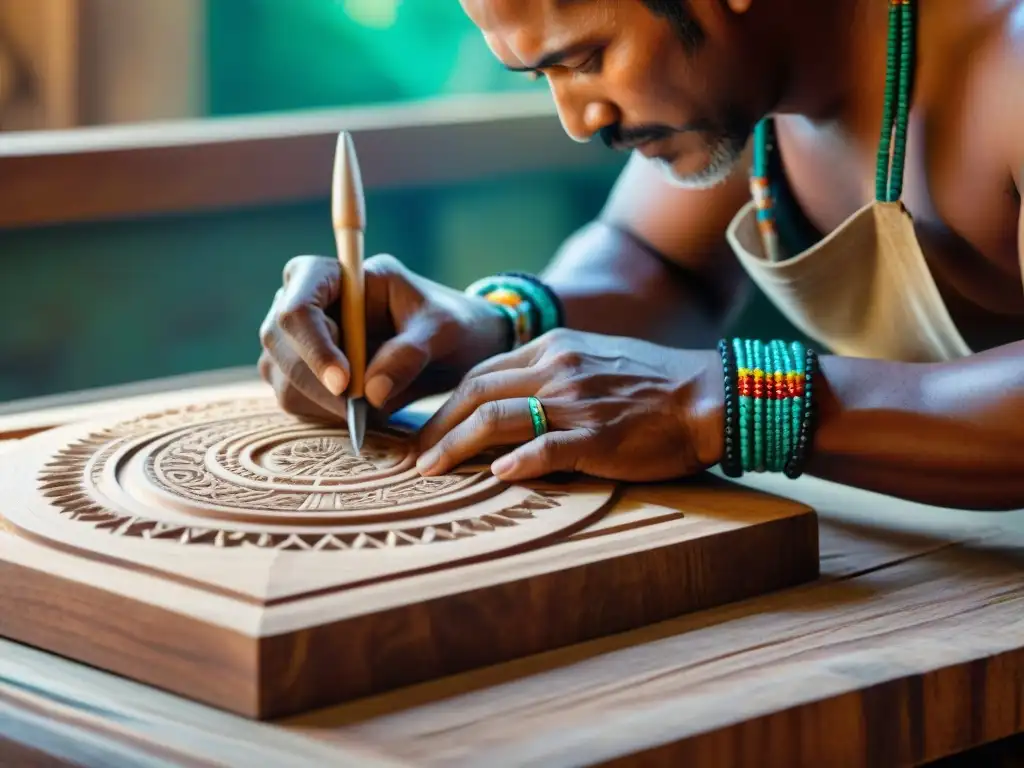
column 768, row 406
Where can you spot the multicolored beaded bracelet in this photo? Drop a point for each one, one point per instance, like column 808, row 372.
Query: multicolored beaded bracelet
column 551, row 307
column 768, row 406
column 533, row 308
column 519, row 311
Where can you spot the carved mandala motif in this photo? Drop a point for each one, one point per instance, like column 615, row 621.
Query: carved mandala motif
column 245, row 474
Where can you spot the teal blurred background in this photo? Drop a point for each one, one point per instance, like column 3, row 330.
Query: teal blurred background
column 107, row 303
column 272, row 55
column 99, row 304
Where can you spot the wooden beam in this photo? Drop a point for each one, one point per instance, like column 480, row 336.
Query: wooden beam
column 184, row 166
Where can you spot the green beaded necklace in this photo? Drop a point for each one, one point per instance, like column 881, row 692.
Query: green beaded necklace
column 765, row 184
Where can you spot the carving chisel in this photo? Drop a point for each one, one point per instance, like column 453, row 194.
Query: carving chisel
column 348, row 215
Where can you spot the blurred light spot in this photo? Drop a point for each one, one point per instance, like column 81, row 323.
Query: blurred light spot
column 379, row 14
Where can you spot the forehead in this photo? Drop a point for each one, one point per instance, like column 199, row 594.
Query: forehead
column 491, row 15
column 521, row 29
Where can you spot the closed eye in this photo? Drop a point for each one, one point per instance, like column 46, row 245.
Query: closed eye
column 589, row 66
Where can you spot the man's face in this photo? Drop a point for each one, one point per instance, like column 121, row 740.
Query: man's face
column 679, row 90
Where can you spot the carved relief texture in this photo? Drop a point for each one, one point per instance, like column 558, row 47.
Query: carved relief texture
column 245, row 474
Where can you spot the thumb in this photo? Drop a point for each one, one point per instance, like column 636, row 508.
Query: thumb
column 400, row 360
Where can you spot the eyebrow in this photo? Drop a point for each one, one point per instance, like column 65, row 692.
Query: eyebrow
column 553, row 59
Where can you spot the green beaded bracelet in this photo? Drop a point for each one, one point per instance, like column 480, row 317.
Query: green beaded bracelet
column 770, row 404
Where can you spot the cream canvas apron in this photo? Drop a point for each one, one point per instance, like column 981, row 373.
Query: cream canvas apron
column 865, row 290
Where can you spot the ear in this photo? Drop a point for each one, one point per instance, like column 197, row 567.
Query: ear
column 739, row 6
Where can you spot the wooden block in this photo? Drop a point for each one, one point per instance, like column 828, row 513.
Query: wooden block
column 225, row 551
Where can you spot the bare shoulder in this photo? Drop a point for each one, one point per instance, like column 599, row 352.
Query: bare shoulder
column 1013, row 80
column 994, row 74
column 973, row 125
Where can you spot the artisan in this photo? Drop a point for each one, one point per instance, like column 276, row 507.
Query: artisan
column 860, row 161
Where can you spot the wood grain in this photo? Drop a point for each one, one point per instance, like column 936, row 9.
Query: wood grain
column 909, row 649
column 615, row 700
column 94, row 567
column 62, row 711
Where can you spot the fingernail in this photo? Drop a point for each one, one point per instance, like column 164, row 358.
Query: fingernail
column 334, row 380
column 503, row 465
column 426, row 462
column 378, row 388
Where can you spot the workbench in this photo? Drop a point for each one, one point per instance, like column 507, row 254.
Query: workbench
column 905, row 651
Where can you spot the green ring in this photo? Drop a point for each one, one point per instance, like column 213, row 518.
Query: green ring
column 539, row 418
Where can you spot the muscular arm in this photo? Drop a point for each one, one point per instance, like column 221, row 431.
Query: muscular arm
column 655, row 265
column 950, row 434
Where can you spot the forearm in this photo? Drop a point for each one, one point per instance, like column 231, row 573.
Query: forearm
column 949, row 434
column 611, row 284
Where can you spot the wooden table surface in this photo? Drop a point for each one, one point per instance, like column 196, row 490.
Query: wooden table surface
column 906, row 590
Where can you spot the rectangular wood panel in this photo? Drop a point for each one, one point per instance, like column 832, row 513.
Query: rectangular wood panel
column 122, row 549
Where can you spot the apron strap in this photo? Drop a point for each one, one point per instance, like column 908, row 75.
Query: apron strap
column 766, row 186
column 899, row 75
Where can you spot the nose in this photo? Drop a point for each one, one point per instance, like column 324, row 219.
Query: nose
column 583, row 115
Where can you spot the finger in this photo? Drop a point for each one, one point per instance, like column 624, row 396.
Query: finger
column 401, row 359
column 415, row 392
column 295, row 384
column 523, row 357
column 268, row 328
column 497, row 422
column 265, row 366
column 471, row 394
column 301, row 314
column 550, row 453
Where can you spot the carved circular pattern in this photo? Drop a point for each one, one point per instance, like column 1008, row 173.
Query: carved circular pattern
column 245, row 474
column 267, row 467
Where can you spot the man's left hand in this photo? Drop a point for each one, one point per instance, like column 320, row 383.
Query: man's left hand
column 616, row 408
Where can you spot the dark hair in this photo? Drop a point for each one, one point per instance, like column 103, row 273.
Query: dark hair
column 680, row 18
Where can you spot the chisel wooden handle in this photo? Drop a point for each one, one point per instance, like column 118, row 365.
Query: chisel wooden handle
column 348, row 215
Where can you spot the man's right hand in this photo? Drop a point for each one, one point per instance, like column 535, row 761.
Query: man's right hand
column 422, row 337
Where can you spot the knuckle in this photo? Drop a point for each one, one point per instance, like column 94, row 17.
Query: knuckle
column 297, row 265
column 265, row 366
column 384, row 264
column 576, row 389
column 293, row 318
column 557, row 336
column 442, row 323
column 268, row 331
column 567, row 358
column 471, row 391
column 489, row 416
column 268, row 336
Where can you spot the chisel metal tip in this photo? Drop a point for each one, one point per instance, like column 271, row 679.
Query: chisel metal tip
column 357, row 423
